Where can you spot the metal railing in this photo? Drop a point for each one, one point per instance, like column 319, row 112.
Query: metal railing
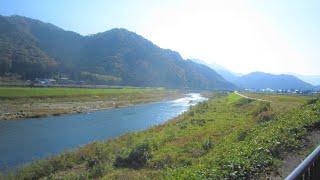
column 309, row 169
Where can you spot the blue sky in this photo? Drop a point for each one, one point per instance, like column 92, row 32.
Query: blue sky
column 277, row 36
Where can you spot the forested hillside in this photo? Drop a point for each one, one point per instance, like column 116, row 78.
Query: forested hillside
column 34, row 49
column 20, row 54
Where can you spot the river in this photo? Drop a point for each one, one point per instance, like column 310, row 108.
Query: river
column 22, row 141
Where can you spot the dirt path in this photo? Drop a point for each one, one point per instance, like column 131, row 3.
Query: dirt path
column 244, row 96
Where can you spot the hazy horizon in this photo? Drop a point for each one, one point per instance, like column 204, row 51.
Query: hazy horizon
column 242, row 36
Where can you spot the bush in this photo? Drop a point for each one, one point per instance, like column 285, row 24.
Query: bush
column 191, row 112
column 98, row 171
column 37, row 170
column 182, row 125
column 262, row 107
column 242, row 135
column 199, row 122
column 137, row 158
column 265, row 116
column 207, row 144
column 312, row 101
column 164, row 162
column 243, row 101
column 72, row 175
column 202, row 107
column 92, row 162
column 264, row 112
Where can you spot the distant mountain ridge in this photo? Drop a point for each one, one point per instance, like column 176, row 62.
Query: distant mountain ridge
column 33, row 49
column 261, row 80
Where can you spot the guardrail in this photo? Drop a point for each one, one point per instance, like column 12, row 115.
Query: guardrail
column 309, row 169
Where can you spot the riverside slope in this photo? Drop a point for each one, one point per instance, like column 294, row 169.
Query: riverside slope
column 227, row 137
column 46, row 136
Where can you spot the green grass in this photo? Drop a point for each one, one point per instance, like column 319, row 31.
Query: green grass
column 12, row 92
column 219, row 139
column 26, row 102
column 282, row 102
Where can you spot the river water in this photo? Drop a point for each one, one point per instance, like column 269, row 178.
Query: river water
column 22, row 141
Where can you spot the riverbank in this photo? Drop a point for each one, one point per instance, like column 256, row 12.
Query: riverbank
column 291, row 160
column 21, row 103
column 228, row 137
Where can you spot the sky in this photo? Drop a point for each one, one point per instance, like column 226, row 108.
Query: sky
column 275, row 36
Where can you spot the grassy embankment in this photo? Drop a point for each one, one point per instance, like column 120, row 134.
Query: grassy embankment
column 22, row 102
column 226, row 137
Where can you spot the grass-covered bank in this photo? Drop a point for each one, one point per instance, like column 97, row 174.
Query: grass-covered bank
column 19, row 92
column 226, row 137
column 24, row 102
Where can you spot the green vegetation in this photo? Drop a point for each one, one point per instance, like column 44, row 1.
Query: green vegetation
column 98, row 78
column 19, row 53
column 281, row 103
column 34, row 49
column 14, row 92
column 22, row 102
column 223, row 138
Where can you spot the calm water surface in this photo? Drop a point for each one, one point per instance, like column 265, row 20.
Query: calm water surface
column 22, row 141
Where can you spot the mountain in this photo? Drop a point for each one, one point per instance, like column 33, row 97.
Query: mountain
column 32, row 49
column 19, row 52
column 260, row 80
column 312, row 79
column 225, row 73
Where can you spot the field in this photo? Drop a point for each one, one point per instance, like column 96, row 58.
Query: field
column 22, row 102
column 14, row 92
column 227, row 137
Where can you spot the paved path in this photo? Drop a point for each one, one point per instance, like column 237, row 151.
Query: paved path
column 244, row 96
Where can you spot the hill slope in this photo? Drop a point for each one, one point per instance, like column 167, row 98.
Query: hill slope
column 225, row 73
column 19, row 53
column 115, row 57
column 260, row 80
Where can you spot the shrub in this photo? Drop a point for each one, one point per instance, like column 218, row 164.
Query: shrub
column 199, row 122
column 312, row 101
column 182, row 125
column 191, row 112
column 262, row 107
column 37, row 170
column 243, row 101
column 242, row 135
column 72, row 175
column 265, row 116
column 263, row 112
column 207, row 144
column 137, row 158
column 202, row 107
column 92, row 162
column 164, row 162
column 98, row 171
